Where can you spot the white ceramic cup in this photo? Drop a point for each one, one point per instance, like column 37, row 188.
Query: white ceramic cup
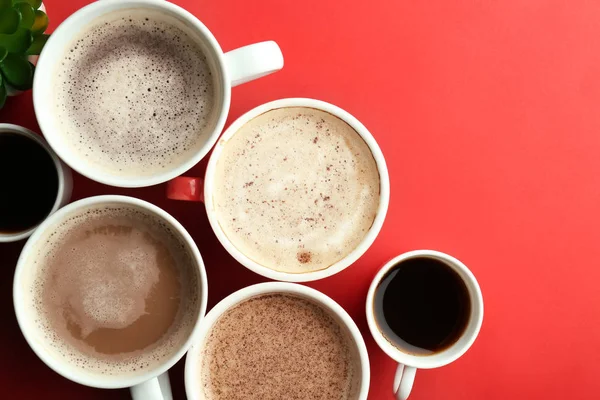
column 153, row 384
column 196, row 189
column 192, row 362
column 65, row 181
column 408, row 363
column 228, row 69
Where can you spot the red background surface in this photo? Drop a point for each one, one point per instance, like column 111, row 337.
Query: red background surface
column 487, row 113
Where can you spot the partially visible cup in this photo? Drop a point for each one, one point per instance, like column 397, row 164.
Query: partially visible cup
column 434, row 327
column 132, row 93
column 33, row 181
column 295, row 190
column 277, row 340
column 109, row 292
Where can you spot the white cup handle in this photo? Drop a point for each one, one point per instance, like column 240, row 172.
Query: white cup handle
column 253, row 61
column 154, row 389
column 403, row 381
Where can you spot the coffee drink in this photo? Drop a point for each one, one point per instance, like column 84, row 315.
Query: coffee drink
column 115, row 289
column 278, row 346
column 134, row 93
column 28, row 183
column 422, row 306
column 297, row 189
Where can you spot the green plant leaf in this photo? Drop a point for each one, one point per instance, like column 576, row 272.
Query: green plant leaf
column 40, row 24
column 3, row 53
column 17, row 42
column 38, row 44
column 33, row 3
column 27, row 14
column 17, row 71
column 9, row 20
column 2, row 92
column 5, row 4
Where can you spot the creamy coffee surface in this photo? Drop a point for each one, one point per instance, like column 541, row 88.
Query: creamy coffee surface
column 134, row 94
column 115, row 290
column 275, row 347
column 296, row 189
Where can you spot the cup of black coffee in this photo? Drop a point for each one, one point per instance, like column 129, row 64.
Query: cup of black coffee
column 424, row 309
column 34, row 183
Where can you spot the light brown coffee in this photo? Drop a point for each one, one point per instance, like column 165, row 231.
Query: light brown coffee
column 275, row 347
column 297, row 189
column 117, row 290
column 134, row 93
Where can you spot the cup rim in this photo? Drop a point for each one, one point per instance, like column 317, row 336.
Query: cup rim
column 49, row 57
column 193, row 355
column 62, row 367
column 446, row 356
column 61, row 170
column 366, row 242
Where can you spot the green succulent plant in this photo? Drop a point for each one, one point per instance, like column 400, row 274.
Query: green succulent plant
column 22, row 27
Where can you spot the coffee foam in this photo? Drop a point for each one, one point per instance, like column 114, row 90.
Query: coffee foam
column 278, row 346
column 107, row 290
column 101, row 301
column 134, row 94
column 297, row 189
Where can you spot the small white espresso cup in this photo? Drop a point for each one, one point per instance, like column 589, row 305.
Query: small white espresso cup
column 193, row 371
column 198, row 189
column 228, row 69
column 65, row 181
column 408, row 363
column 152, row 384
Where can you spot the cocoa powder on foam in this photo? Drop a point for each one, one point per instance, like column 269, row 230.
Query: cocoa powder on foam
column 277, row 346
column 297, row 189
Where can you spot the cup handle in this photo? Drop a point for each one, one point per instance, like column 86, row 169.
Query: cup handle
column 186, row 188
column 403, row 381
column 253, row 61
column 158, row 388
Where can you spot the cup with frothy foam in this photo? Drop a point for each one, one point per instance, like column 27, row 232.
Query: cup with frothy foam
column 295, row 190
column 275, row 341
column 109, row 292
column 133, row 93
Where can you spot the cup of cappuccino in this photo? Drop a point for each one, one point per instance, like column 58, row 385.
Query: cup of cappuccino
column 132, row 93
column 109, row 292
column 295, row 190
column 277, row 340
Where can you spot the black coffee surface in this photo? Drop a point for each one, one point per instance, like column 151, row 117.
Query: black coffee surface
column 422, row 306
column 28, row 183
